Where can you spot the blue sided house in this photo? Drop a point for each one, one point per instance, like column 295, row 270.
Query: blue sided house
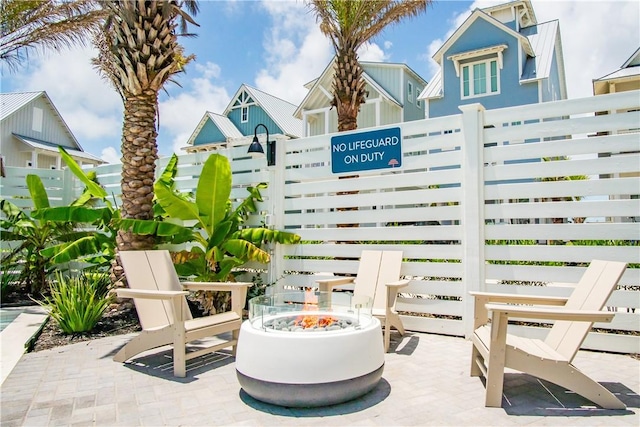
column 499, row 57
column 248, row 108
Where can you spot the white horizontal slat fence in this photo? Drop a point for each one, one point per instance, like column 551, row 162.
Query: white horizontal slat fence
column 515, row 200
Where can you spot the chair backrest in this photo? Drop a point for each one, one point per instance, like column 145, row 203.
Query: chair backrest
column 591, row 293
column 377, row 268
column 152, row 270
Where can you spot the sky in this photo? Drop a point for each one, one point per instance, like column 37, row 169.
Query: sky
column 276, row 46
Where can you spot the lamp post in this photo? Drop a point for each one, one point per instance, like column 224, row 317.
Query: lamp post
column 256, row 148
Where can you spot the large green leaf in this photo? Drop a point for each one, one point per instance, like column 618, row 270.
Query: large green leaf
column 213, row 191
column 175, row 233
column 263, row 235
column 174, row 205
column 12, row 211
column 37, row 192
column 74, row 214
column 84, row 247
column 246, row 250
column 92, row 186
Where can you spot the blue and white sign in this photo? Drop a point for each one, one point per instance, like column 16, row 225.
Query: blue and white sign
column 376, row 149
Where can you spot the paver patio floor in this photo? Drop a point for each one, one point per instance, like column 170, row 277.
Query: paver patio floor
column 425, row 382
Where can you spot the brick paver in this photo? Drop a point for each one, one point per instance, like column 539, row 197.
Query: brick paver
column 425, row 382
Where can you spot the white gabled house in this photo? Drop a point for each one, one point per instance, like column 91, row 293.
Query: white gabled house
column 32, row 129
column 392, row 98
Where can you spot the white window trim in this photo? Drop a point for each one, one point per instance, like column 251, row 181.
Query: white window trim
column 497, row 50
column 410, row 92
column 244, row 119
column 487, row 63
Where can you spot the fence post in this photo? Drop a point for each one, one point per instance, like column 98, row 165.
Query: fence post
column 473, row 274
column 276, row 209
column 68, row 187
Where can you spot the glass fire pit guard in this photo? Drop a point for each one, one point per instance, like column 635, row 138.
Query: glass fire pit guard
column 309, row 348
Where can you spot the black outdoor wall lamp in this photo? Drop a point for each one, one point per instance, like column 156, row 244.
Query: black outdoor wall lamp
column 255, row 149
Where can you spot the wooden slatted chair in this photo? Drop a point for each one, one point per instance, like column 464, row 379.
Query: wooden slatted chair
column 494, row 349
column 164, row 315
column 378, row 278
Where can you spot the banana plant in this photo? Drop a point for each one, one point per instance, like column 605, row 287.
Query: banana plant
column 28, row 237
column 220, row 241
column 92, row 238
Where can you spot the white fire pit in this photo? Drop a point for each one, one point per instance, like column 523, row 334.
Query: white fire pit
column 305, row 349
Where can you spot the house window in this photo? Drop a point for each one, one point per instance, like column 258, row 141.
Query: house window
column 480, row 79
column 244, row 112
column 410, row 92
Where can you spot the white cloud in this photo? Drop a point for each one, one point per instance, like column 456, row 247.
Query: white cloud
column 296, row 52
column 597, row 37
column 110, row 155
column 372, row 52
column 179, row 115
column 87, row 103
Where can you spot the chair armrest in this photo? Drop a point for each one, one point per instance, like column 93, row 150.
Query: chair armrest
column 398, row 284
column 552, row 313
column 149, row 294
column 520, row 299
column 392, row 293
column 215, row 286
column 326, row 285
column 238, row 291
column 481, row 315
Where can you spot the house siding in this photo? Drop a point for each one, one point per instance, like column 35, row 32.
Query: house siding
column 479, row 35
column 411, row 109
column 388, row 78
column 256, row 116
column 551, row 86
column 209, row 134
column 16, row 153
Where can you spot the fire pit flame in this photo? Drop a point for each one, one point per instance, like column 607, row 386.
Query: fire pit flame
column 313, row 320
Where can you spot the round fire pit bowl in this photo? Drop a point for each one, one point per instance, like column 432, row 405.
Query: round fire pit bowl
column 308, row 349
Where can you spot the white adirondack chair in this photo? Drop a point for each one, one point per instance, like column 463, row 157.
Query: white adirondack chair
column 494, row 349
column 378, row 278
column 164, row 315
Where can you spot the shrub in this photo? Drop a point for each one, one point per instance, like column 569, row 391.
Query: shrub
column 77, row 303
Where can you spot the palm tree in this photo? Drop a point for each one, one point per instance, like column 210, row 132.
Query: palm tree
column 26, row 25
column 349, row 24
column 139, row 53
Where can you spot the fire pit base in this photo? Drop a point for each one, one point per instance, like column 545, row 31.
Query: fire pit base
column 281, row 363
column 309, row 395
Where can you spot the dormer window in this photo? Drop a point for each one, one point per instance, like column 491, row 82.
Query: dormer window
column 479, row 71
column 244, row 113
column 480, row 79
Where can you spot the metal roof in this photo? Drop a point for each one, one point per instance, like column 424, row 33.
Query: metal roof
column 543, row 41
column 226, row 126
column 434, row 88
column 12, row 102
column 279, row 110
column 37, row 144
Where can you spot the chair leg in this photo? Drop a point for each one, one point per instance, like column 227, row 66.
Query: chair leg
column 387, row 337
column 496, row 362
column 145, row 340
column 569, row 377
column 476, row 357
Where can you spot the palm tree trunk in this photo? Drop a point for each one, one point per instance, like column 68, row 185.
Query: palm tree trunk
column 348, row 88
column 139, row 155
